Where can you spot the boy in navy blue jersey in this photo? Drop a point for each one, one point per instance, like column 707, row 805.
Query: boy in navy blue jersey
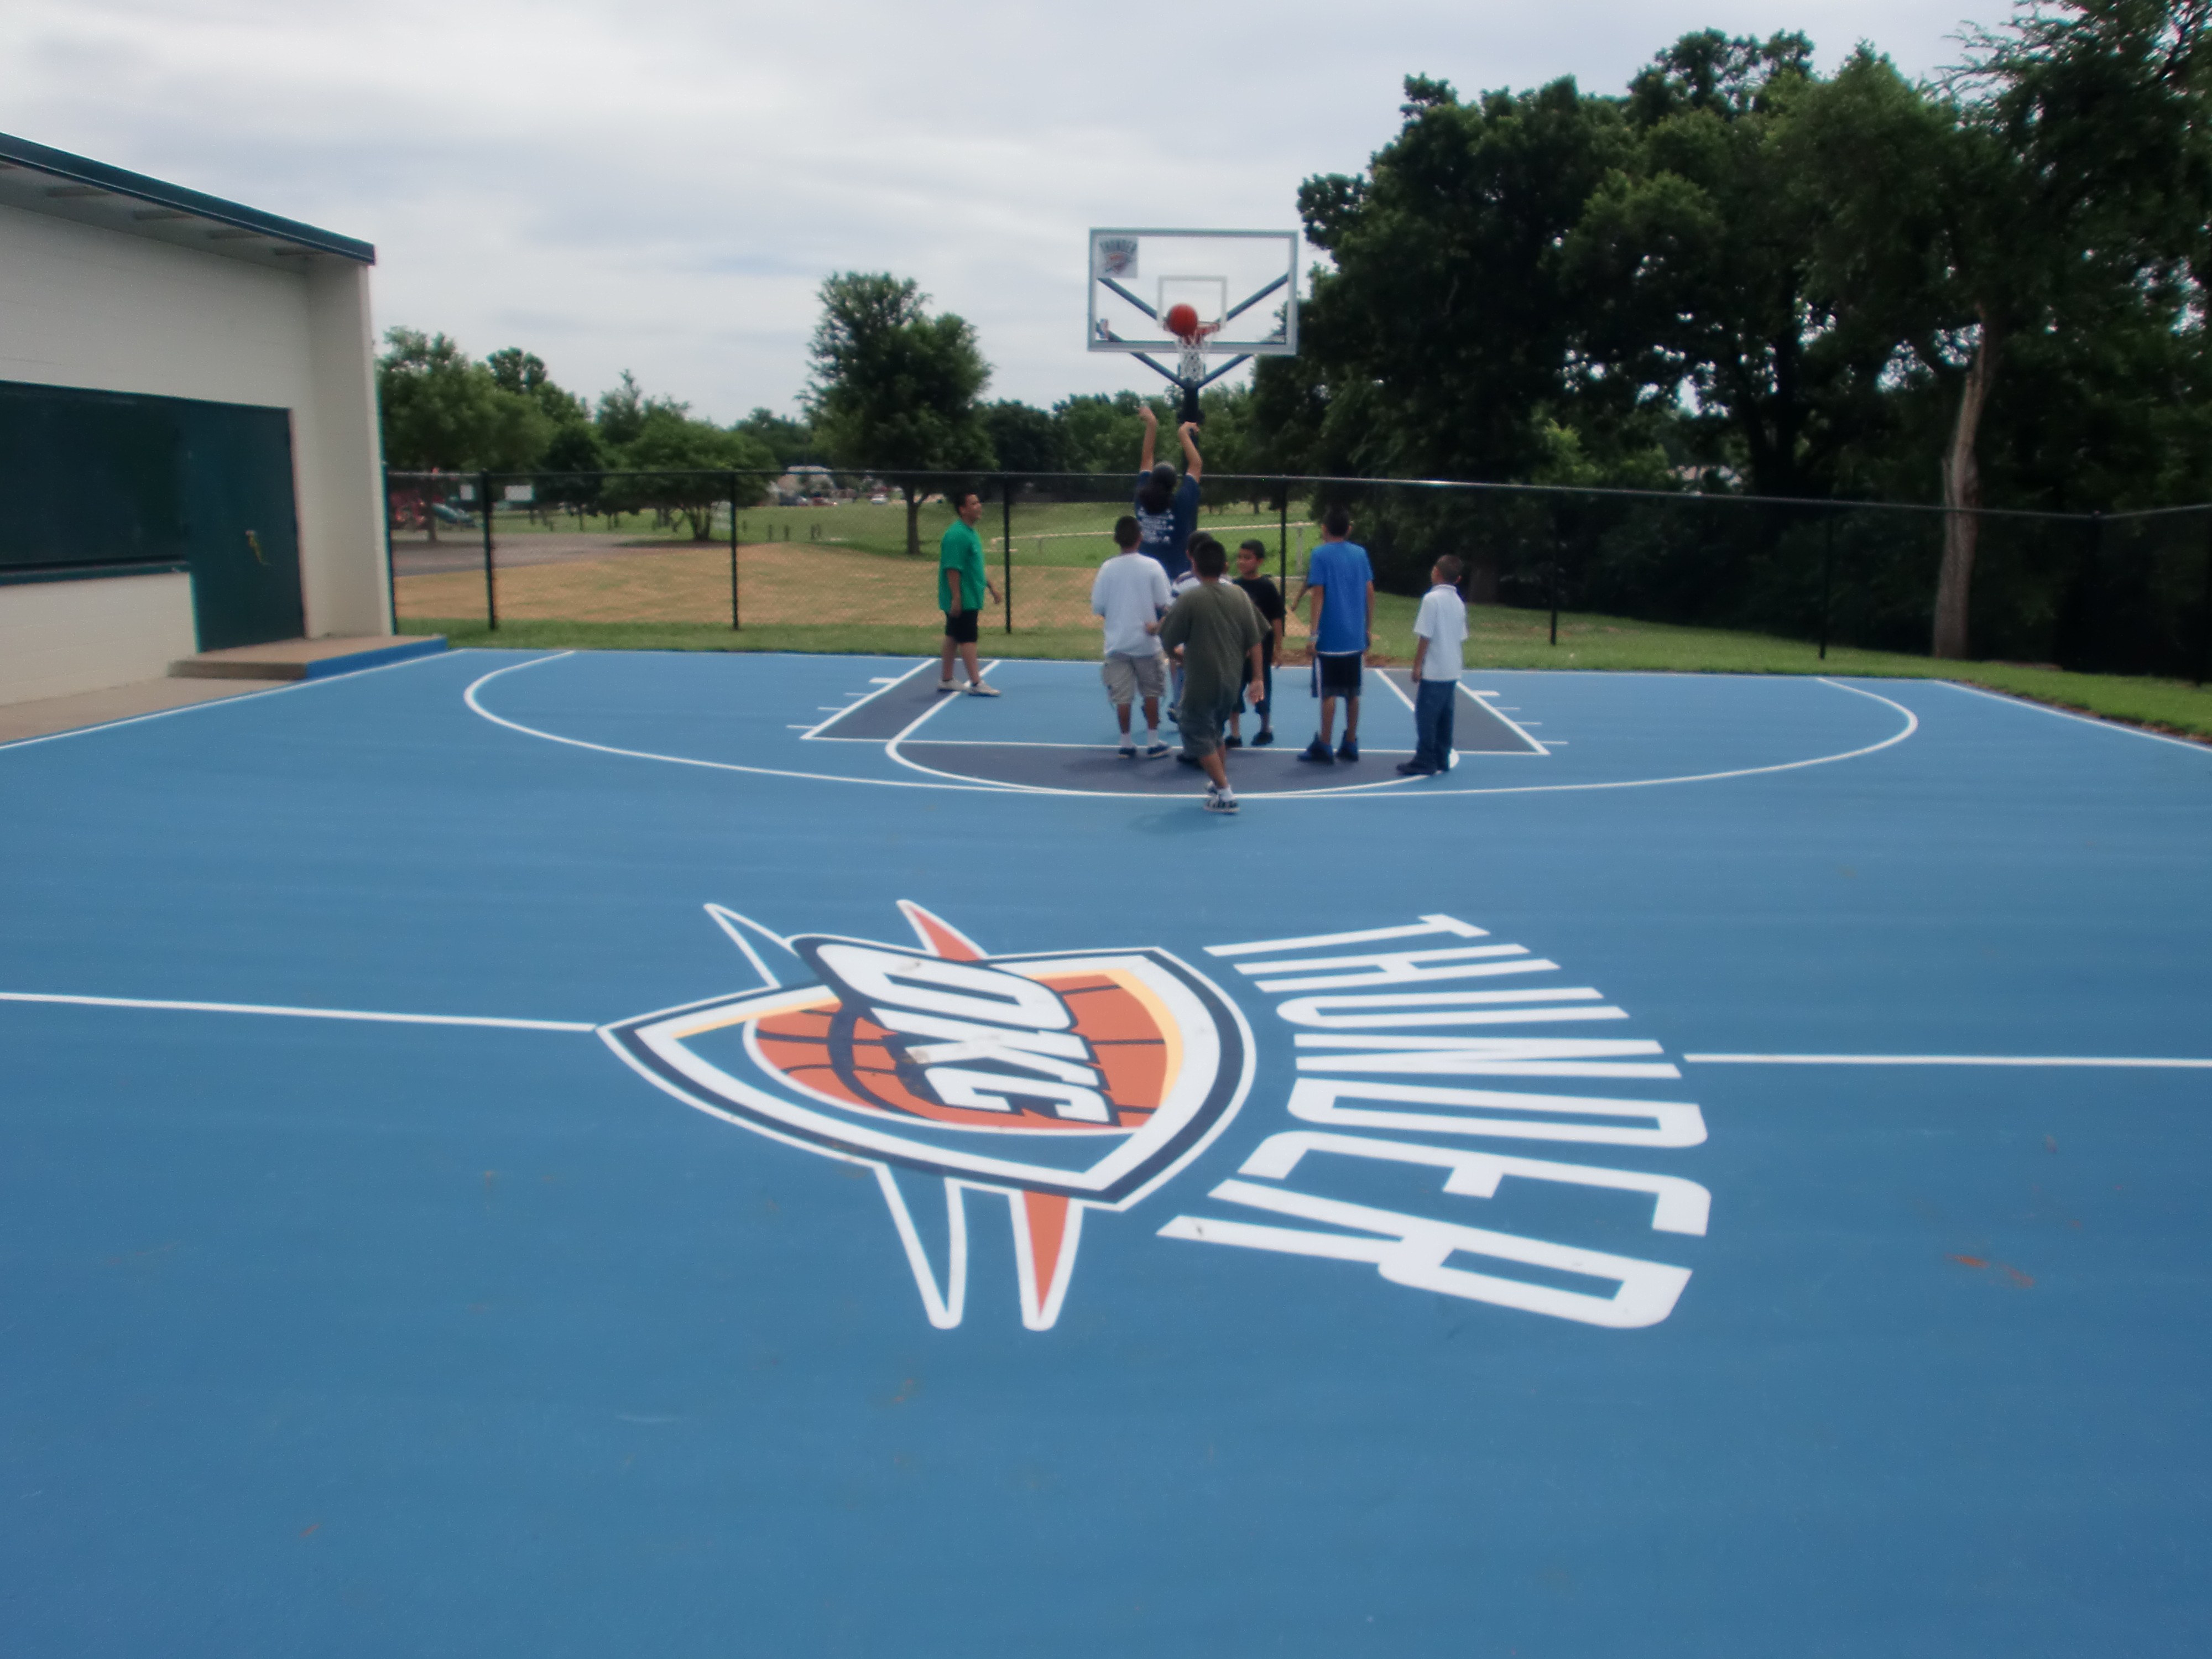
column 1166, row 510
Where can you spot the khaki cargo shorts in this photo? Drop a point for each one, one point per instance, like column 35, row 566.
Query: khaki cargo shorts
column 1129, row 677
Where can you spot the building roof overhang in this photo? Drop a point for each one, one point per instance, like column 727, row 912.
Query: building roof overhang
column 52, row 181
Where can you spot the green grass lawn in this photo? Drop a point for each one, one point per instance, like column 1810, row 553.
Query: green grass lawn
column 1499, row 638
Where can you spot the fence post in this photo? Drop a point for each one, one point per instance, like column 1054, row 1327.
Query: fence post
column 1007, row 546
column 390, row 580
column 2204, row 638
column 1827, row 577
column 491, row 597
column 1551, row 572
column 733, row 553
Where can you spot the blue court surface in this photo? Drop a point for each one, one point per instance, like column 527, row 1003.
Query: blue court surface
column 540, row 1154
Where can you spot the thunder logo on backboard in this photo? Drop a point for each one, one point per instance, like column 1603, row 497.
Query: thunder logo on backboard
column 1062, row 1080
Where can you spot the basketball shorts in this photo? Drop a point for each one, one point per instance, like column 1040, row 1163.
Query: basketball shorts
column 1336, row 674
column 1200, row 725
column 960, row 626
column 1130, row 677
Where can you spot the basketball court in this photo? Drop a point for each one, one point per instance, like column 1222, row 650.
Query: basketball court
column 537, row 1153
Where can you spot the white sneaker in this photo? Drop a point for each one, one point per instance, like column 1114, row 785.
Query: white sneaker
column 943, row 686
column 1217, row 802
column 977, row 688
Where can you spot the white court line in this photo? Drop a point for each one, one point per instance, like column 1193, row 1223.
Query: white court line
column 2072, row 714
column 1394, row 788
column 837, row 714
column 302, row 1013
column 239, row 697
column 1950, row 1059
column 469, row 697
column 1492, row 710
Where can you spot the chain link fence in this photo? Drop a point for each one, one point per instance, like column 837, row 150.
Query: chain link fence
column 825, row 557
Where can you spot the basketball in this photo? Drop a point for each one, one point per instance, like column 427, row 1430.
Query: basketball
column 1182, row 319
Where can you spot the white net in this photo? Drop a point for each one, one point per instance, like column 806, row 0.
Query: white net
column 1190, row 354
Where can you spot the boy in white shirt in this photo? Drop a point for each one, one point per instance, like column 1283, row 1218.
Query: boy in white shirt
column 1439, row 636
column 1131, row 593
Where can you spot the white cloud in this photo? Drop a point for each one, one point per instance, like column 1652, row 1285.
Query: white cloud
column 661, row 185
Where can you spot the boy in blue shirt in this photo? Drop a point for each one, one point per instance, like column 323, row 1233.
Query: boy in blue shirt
column 1342, row 586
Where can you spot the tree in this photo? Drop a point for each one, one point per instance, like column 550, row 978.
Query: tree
column 1445, row 332
column 788, row 440
column 894, row 389
column 442, row 410
column 1100, row 433
column 573, row 460
column 1024, row 438
column 523, row 373
column 686, row 465
column 621, row 414
column 1691, row 265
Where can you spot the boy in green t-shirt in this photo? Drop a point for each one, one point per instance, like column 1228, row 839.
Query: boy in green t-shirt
column 1215, row 633
column 961, row 588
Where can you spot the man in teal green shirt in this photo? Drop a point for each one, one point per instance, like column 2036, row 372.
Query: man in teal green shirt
column 961, row 589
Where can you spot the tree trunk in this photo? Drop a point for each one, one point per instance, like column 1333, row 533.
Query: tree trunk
column 1962, row 492
column 913, row 523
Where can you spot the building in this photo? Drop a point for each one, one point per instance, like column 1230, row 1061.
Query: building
column 189, row 454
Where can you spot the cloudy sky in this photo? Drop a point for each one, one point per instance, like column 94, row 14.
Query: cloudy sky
column 662, row 184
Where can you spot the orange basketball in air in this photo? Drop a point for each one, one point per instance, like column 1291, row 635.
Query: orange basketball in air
column 1182, row 319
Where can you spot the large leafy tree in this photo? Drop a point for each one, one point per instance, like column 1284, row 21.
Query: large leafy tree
column 2046, row 211
column 1443, row 336
column 1024, row 438
column 523, row 373
column 895, row 389
column 1101, row 432
column 1689, row 265
column 443, row 410
column 788, row 440
column 687, row 465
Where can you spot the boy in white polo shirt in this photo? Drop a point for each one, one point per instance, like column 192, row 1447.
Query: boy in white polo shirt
column 1131, row 591
column 1439, row 636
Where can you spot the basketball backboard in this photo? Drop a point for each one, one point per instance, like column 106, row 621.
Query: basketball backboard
column 1243, row 284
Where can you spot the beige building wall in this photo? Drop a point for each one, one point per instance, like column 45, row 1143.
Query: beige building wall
column 86, row 307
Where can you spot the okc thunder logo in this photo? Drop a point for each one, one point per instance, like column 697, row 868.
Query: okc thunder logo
column 1061, row 1081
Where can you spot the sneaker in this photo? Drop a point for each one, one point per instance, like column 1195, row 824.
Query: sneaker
column 1416, row 770
column 1156, row 750
column 1232, row 742
column 977, row 688
column 943, row 686
column 1262, row 739
column 1128, row 751
column 1317, row 752
column 1348, row 749
column 1175, row 714
column 1184, row 757
column 1217, row 802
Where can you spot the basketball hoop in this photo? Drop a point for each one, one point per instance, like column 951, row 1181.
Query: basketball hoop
column 1191, row 352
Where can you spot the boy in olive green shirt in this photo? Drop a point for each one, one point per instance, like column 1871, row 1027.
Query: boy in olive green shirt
column 961, row 588
column 1213, row 630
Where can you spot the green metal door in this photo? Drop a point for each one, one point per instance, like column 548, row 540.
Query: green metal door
column 240, row 528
